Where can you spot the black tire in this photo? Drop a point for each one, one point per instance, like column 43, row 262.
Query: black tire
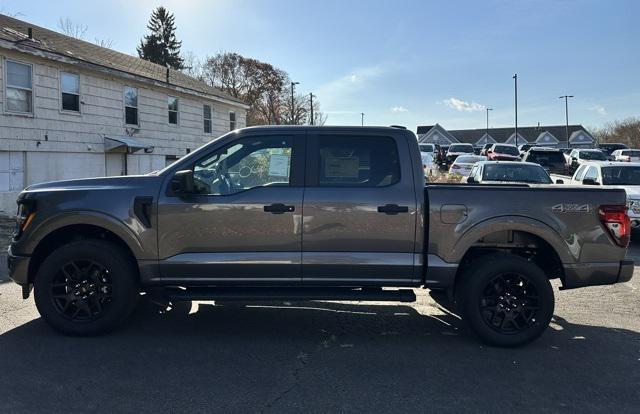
column 86, row 287
column 505, row 299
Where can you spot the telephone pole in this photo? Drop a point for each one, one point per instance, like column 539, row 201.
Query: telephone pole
column 293, row 84
column 566, row 115
column 515, row 78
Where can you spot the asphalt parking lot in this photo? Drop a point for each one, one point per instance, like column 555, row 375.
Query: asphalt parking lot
column 324, row 357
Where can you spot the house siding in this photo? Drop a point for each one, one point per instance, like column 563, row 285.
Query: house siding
column 56, row 144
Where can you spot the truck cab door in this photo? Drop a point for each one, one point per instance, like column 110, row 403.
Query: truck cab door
column 241, row 223
column 359, row 210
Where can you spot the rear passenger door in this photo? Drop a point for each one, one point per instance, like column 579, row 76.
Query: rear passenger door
column 359, row 218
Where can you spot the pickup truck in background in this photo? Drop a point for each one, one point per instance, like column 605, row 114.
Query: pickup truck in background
column 312, row 213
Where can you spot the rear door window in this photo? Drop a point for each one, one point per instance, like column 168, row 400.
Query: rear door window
column 348, row 161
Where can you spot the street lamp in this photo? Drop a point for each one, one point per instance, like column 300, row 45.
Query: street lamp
column 311, row 95
column 361, row 118
column 293, row 85
column 515, row 78
column 566, row 114
column 487, row 136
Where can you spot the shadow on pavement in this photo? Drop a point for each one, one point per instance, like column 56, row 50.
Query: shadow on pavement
column 313, row 357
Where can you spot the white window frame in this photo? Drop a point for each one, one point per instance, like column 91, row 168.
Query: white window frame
column 6, row 86
column 210, row 119
column 70, row 111
column 176, row 111
column 235, row 121
column 125, row 106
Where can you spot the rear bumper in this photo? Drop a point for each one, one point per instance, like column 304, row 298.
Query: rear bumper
column 595, row 274
column 18, row 268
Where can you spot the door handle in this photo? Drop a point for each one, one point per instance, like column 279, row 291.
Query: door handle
column 392, row 209
column 279, row 208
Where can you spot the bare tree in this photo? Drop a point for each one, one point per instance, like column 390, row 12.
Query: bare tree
column 626, row 131
column 72, row 29
column 79, row 31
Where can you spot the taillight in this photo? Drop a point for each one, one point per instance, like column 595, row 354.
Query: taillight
column 617, row 222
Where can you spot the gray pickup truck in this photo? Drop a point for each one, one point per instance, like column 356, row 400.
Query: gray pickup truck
column 312, row 213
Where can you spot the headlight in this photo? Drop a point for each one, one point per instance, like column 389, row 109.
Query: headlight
column 26, row 213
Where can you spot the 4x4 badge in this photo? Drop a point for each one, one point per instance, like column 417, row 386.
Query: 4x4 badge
column 571, row 208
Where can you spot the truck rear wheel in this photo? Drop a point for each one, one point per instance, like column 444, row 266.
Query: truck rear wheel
column 86, row 287
column 505, row 299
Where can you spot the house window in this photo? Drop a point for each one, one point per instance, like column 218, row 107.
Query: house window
column 19, row 87
column 130, row 105
column 206, row 114
column 232, row 121
column 70, row 89
column 172, row 102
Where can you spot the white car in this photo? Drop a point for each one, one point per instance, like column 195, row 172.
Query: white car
column 464, row 163
column 508, row 172
column 578, row 157
column 625, row 155
column 614, row 175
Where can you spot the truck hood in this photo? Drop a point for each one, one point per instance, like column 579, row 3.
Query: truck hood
column 101, row 183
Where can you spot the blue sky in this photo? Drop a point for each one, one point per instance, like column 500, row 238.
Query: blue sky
column 408, row 62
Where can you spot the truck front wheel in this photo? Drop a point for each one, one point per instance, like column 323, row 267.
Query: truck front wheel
column 86, row 287
column 505, row 299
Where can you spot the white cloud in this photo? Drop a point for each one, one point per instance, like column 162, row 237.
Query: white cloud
column 398, row 109
column 599, row 109
column 337, row 93
column 460, row 105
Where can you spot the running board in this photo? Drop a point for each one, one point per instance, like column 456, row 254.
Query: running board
column 261, row 294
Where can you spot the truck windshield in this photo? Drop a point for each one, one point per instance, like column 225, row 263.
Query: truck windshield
column 461, row 148
column 592, row 155
column 506, row 149
column 623, row 175
column 520, row 173
column 546, row 157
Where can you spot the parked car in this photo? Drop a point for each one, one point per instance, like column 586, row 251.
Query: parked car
column 550, row 159
column 228, row 220
column 625, row 155
column 614, row 175
column 463, row 164
column 580, row 156
column 456, row 150
column 429, row 165
column 608, row 147
column 503, row 152
column 508, row 172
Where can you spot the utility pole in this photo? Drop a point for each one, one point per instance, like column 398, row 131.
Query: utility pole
column 362, row 119
column 293, row 84
column 488, row 109
column 566, row 115
column 515, row 78
column 311, row 99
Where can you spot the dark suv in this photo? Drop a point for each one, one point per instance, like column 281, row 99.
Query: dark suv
column 550, row 159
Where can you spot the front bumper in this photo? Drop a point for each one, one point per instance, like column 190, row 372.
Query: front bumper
column 595, row 274
column 18, row 268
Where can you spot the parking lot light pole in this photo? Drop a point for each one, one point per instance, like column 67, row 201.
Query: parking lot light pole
column 311, row 104
column 362, row 119
column 515, row 78
column 293, row 85
column 487, row 136
column 566, row 115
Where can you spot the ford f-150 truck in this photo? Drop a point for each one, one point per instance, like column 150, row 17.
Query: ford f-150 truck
column 312, row 213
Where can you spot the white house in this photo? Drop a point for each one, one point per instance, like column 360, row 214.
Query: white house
column 71, row 109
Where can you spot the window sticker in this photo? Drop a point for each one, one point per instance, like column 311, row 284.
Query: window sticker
column 279, row 166
column 342, row 167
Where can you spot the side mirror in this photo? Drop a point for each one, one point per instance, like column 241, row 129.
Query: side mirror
column 559, row 181
column 182, row 182
column 471, row 180
column 589, row 181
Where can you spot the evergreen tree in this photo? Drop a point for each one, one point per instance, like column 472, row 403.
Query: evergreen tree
column 161, row 46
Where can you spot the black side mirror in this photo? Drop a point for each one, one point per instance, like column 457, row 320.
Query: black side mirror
column 559, row 181
column 182, row 182
column 471, row 180
column 589, row 181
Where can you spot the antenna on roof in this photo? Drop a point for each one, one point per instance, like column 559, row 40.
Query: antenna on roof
column 30, row 33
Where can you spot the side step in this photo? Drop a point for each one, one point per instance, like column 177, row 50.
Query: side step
column 287, row 293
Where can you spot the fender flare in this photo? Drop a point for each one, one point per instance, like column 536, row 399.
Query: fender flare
column 86, row 217
column 516, row 223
